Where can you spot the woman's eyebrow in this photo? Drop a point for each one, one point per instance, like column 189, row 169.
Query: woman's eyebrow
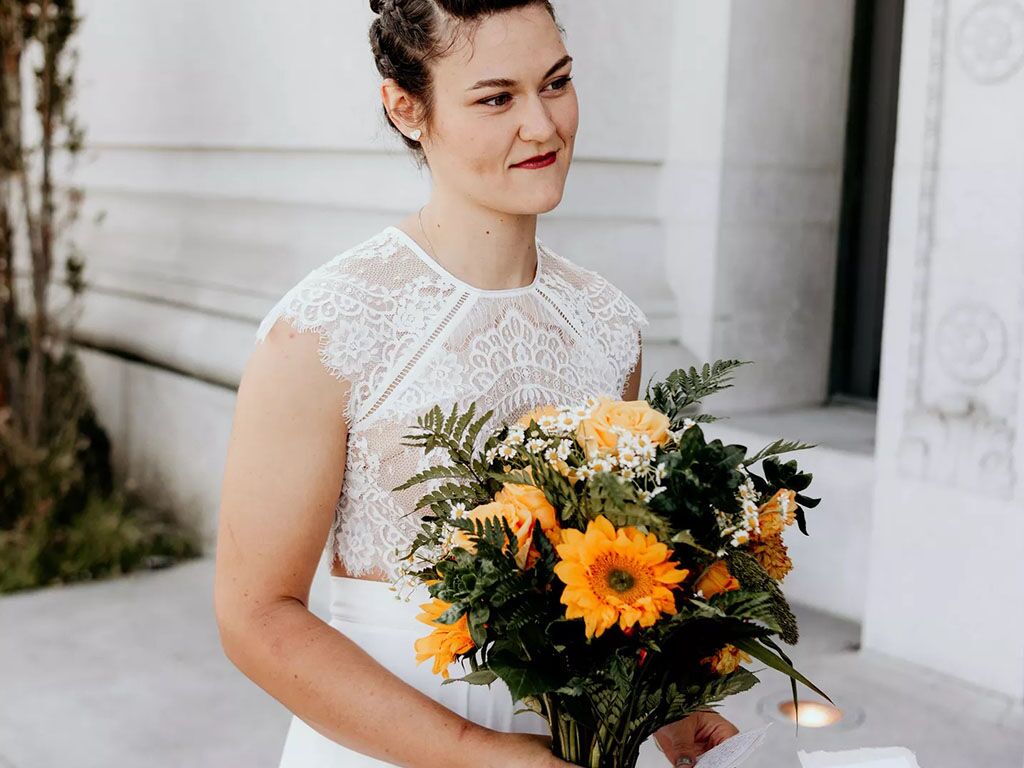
column 504, row 82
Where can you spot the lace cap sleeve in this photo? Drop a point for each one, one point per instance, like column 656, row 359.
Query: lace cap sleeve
column 331, row 302
column 628, row 322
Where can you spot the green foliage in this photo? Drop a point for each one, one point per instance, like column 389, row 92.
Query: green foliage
column 603, row 695
column 607, row 495
column 778, row 447
column 457, row 434
column 557, row 489
column 684, row 388
column 684, row 700
column 699, row 477
column 109, row 537
column 63, row 518
column 752, row 576
column 777, row 660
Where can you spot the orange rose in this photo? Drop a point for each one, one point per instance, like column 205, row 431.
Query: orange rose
column 532, row 499
column 717, row 579
column 519, row 518
column 636, row 416
column 537, row 413
column 727, row 660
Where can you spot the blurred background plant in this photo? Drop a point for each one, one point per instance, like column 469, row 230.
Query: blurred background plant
column 63, row 516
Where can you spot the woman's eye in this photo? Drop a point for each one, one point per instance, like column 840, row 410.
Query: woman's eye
column 503, row 98
column 499, row 96
column 561, row 82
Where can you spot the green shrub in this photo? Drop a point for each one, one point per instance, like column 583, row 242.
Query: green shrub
column 62, row 516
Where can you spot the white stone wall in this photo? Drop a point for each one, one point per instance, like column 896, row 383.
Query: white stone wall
column 946, row 577
column 240, row 143
column 235, row 145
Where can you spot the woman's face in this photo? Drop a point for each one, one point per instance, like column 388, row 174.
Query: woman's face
column 499, row 99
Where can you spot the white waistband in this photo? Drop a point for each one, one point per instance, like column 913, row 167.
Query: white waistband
column 377, row 603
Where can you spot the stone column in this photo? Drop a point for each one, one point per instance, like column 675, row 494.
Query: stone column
column 751, row 187
column 946, row 581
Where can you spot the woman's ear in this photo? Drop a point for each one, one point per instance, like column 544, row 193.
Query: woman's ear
column 400, row 106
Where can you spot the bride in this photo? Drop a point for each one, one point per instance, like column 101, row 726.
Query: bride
column 457, row 302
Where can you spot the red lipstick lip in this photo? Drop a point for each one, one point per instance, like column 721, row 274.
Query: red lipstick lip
column 538, row 161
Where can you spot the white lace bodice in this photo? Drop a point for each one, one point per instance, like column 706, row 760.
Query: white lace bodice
column 406, row 334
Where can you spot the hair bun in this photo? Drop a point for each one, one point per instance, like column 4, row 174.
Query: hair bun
column 382, row 6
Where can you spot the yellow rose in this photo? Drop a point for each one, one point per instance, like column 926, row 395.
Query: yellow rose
column 635, row 416
column 537, row 413
column 519, row 518
column 717, row 579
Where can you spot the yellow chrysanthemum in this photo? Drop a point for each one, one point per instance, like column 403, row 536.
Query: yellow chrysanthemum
column 773, row 556
column 727, row 660
column 776, row 513
column 446, row 642
column 611, row 576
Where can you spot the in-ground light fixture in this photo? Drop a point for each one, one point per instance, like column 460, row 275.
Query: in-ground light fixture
column 812, row 712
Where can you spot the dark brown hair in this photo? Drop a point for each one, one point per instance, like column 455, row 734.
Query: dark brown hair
column 407, row 34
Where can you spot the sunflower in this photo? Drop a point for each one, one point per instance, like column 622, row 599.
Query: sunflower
column 773, row 556
column 446, row 642
column 611, row 576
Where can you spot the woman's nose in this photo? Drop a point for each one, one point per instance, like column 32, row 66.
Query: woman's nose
column 537, row 125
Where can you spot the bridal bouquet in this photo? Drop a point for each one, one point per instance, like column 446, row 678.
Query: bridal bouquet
column 608, row 563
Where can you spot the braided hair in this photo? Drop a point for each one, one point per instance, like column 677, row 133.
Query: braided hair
column 407, row 34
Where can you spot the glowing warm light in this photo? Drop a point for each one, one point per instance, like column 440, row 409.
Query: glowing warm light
column 813, row 714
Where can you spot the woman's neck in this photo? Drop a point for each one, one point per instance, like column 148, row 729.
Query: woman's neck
column 485, row 248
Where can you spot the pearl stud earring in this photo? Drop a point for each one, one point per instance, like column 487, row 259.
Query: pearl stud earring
column 415, row 135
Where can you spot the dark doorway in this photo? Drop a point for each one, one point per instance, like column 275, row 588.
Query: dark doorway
column 866, row 196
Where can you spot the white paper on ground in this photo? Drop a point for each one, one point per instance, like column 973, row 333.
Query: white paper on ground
column 733, row 750
column 886, row 757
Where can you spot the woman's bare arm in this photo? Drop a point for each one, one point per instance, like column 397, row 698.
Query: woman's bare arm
column 284, row 471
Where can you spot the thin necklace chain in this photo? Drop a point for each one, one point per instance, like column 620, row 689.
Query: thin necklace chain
column 419, row 217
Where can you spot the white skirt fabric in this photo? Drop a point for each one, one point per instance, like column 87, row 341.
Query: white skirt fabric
column 369, row 613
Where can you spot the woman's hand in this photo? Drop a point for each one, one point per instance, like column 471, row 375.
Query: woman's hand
column 685, row 740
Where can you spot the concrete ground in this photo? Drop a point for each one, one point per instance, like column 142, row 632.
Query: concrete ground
column 129, row 673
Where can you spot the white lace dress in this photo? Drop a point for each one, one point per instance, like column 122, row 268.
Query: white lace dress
column 406, row 334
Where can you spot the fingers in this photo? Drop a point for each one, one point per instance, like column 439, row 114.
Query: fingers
column 675, row 755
